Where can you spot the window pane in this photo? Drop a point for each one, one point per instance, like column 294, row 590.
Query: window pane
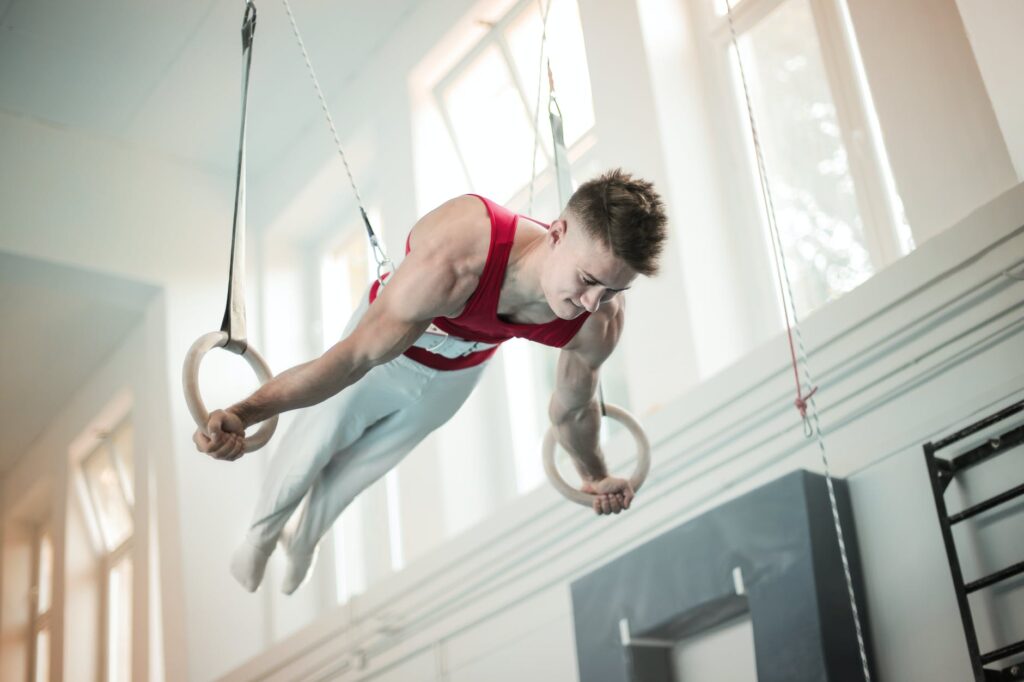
column 112, row 510
column 568, row 57
column 439, row 172
column 345, row 274
column 525, row 420
column 43, row 655
column 394, row 520
column 721, row 8
column 491, row 126
column 123, row 443
column 523, row 38
column 45, row 577
column 812, row 189
column 349, row 551
column 119, row 624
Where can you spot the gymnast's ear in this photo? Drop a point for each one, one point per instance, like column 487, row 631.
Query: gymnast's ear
column 556, row 231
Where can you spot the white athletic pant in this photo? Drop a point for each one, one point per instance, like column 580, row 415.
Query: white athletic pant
column 334, row 450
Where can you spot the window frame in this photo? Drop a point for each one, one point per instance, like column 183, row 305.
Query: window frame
column 108, row 558
column 338, row 247
column 525, row 360
column 106, row 442
column 495, row 36
column 122, row 552
column 39, row 622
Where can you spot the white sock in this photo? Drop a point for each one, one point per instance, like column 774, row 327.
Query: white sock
column 248, row 564
column 297, row 570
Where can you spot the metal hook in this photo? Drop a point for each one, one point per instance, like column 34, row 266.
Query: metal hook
column 248, row 24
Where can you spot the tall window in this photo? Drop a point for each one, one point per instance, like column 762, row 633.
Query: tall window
column 42, row 599
column 839, row 217
column 477, row 123
column 107, row 474
column 345, row 274
column 486, row 101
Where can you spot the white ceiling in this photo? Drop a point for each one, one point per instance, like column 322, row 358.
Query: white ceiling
column 161, row 77
column 44, row 353
column 165, row 76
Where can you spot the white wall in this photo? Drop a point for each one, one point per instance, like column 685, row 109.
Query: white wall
column 909, row 586
column 123, row 385
column 947, row 152
column 992, row 27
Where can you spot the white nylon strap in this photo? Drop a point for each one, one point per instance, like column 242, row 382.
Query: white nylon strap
column 446, row 345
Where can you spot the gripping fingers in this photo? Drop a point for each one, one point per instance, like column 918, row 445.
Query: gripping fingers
column 611, row 503
column 202, row 441
column 224, row 446
column 239, row 448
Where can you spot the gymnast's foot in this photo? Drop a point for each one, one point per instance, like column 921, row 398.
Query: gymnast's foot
column 297, row 569
column 248, row 564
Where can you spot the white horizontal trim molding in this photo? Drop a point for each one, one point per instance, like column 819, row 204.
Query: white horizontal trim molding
column 885, row 356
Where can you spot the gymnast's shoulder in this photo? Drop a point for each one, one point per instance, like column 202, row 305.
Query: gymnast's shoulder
column 599, row 335
column 457, row 233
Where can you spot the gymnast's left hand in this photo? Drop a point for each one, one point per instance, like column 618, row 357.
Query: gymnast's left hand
column 223, row 437
column 611, row 495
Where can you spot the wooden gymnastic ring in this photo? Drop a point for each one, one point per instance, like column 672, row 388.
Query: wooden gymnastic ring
column 643, row 457
column 190, row 381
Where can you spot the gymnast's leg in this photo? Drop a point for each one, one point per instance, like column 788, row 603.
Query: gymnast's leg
column 315, row 435
column 378, row 450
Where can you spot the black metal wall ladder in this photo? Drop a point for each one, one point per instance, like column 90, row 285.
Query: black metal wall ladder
column 942, row 472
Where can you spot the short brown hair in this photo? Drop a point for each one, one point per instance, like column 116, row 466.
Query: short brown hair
column 626, row 214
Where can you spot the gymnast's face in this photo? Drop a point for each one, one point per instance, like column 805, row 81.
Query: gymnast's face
column 581, row 273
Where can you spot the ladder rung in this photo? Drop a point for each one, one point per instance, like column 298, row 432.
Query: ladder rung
column 996, row 445
column 988, row 504
column 978, row 426
column 1009, row 650
column 996, row 577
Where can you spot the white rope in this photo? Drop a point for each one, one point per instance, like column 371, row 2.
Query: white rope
column 536, row 106
column 804, row 364
column 323, row 101
column 381, row 256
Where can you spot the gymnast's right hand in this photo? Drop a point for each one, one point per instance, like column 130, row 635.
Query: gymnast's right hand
column 223, row 437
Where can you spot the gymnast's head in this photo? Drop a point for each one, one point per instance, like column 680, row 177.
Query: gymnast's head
column 612, row 230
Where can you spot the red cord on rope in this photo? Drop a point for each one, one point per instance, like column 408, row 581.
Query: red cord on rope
column 801, row 399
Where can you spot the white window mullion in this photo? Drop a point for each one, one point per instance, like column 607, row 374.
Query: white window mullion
column 33, row 606
column 520, row 87
column 877, row 211
column 745, row 15
column 393, row 493
column 104, row 480
column 446, row 117
column 439, row 93
column 120, row 466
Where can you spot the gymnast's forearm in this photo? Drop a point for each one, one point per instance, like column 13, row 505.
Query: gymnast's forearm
column 579, row 431
column 301, row 386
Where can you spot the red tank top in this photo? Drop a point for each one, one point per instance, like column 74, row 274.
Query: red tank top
column 479, row 320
